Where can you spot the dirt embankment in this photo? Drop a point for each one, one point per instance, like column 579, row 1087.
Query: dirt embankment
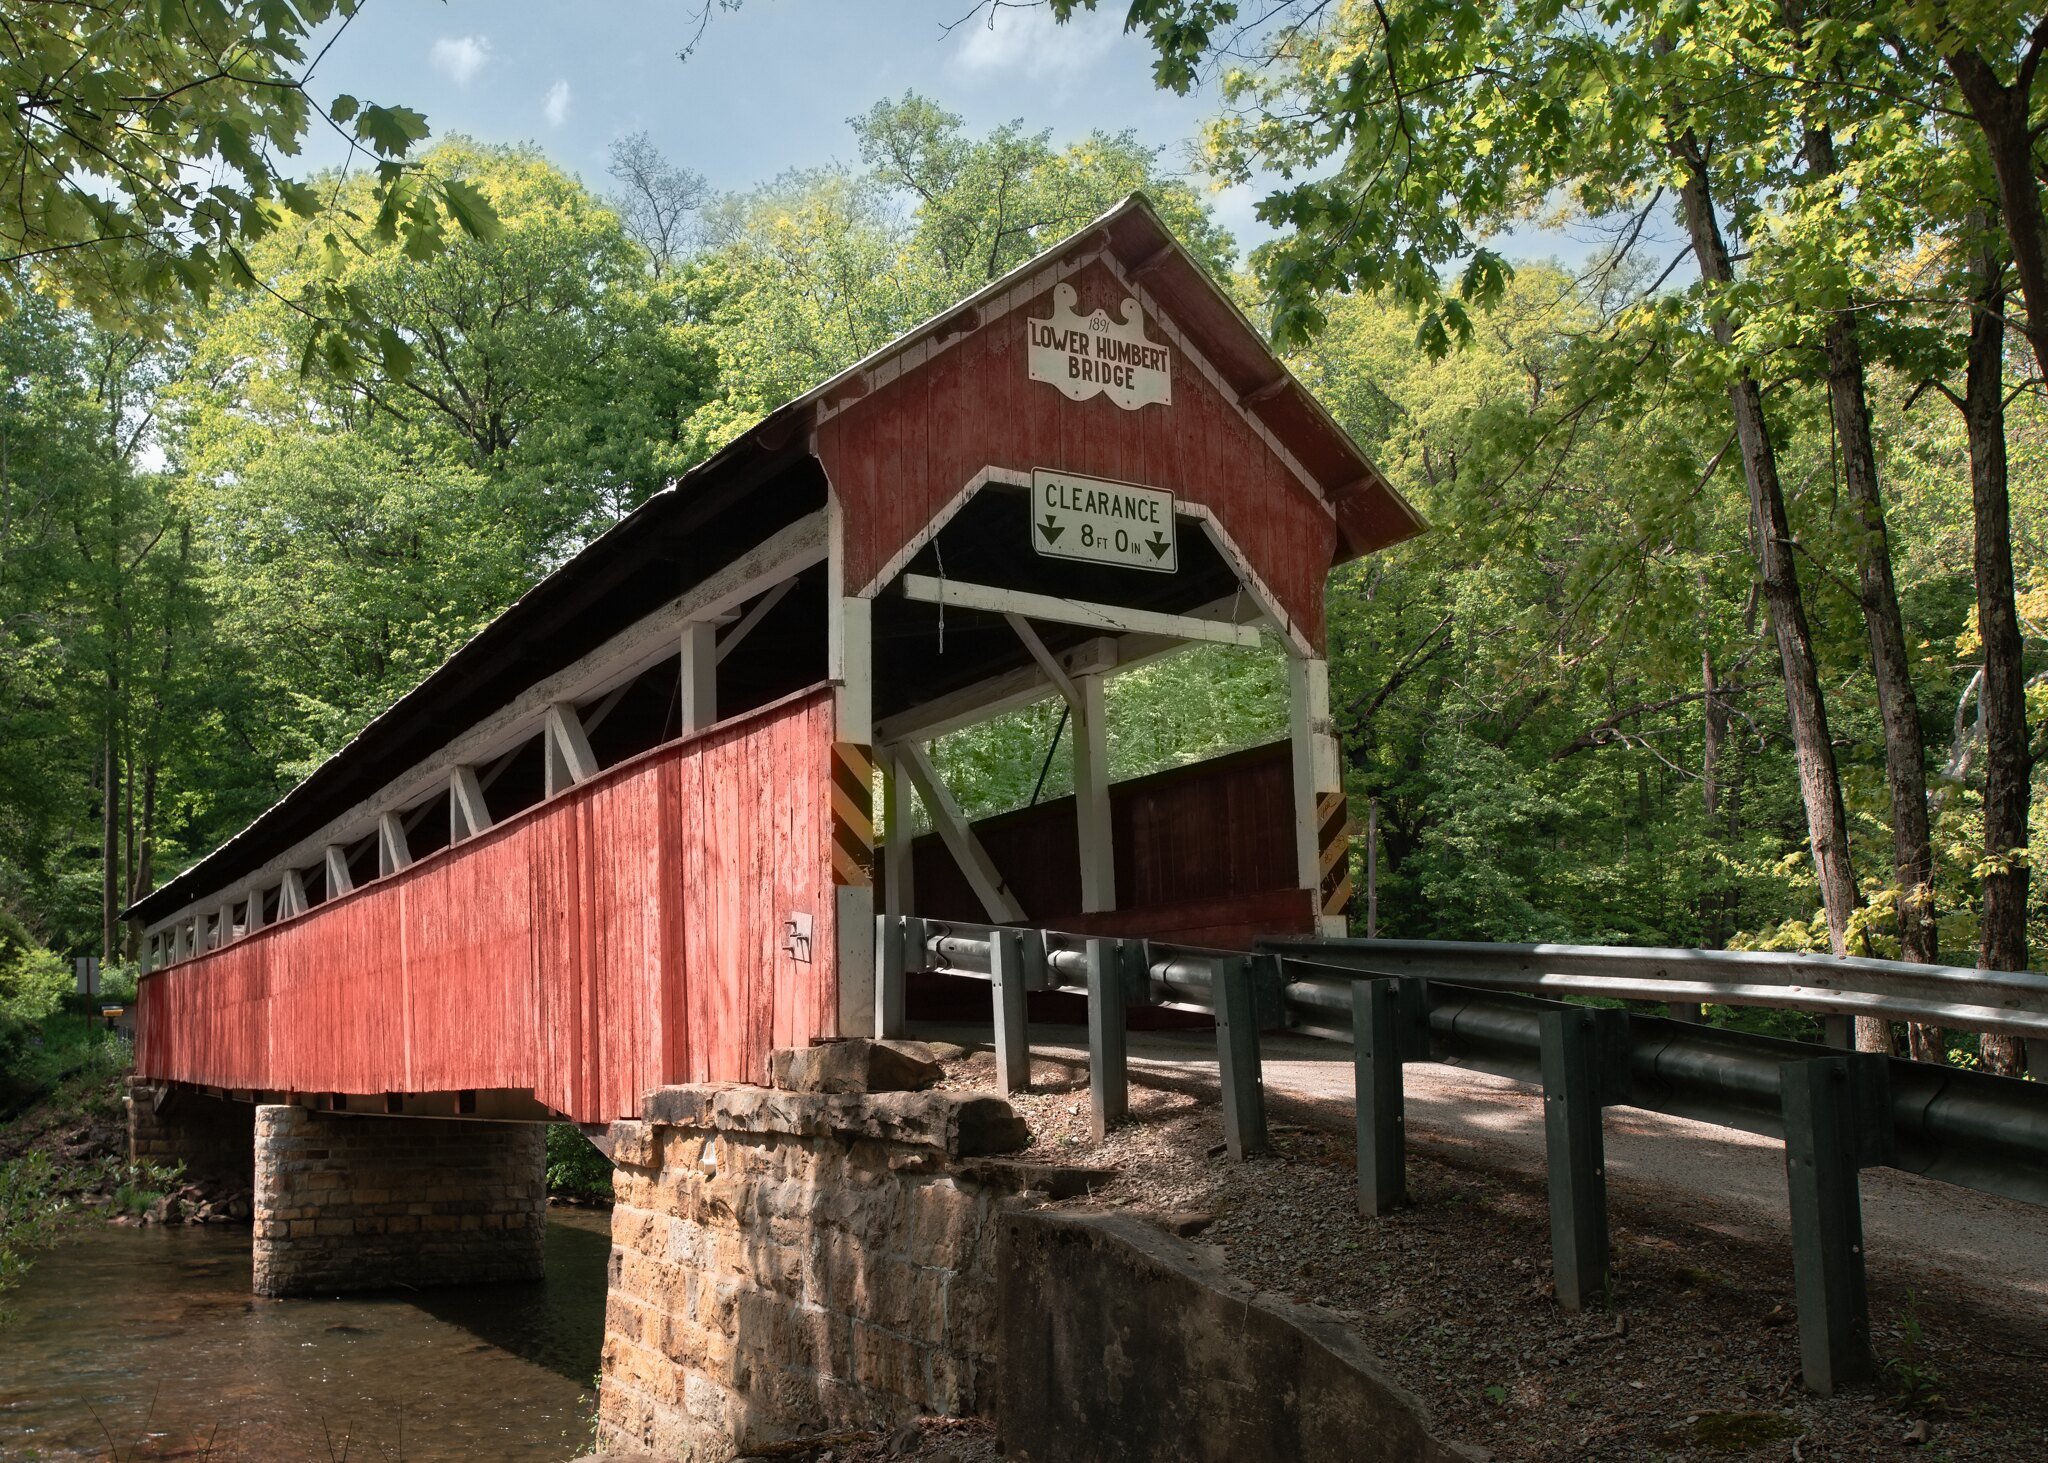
column 1695, row 1357
column 81, row 1127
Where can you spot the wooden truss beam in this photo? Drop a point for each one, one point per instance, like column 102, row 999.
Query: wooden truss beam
column 961, row 594
column 953, row 829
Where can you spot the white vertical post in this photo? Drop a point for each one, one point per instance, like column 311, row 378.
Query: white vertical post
column 226, row 932
column 1091, row 796
column 849, row 658
column 291, row 895
column 255, row 920
column 700, row 676
column 339, row 880
column 1321, row 822
column 899, row 892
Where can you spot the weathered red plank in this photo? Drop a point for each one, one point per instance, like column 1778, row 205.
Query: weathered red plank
column 1207, row 835
column 620, row 936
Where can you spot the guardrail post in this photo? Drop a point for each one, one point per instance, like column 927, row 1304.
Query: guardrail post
column 1838, row 1031
column 1013, row 1041
column 1382, row 1125
column 1585, row 1068
column 1109, row 1078
column 1237, row 1056
column 891, row 937
column 1837, row 1121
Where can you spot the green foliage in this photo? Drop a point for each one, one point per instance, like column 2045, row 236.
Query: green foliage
column 143, row 142
column 32, row 983
column 1201, row 702
column 31, row 1205
column 576, row 1170
column 807, row 275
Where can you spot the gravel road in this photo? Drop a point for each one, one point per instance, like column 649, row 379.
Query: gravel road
column 1730, row 1181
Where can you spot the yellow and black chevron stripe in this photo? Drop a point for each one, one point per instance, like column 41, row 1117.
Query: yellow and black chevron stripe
column 853, row 817
column 1333, row 836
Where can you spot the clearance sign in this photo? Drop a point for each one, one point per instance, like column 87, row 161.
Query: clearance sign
column 1088, row 354
column 1103, row 522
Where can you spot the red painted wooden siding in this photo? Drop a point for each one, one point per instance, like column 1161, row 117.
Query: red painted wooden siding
column 897, row 457
column 621, row 936
column 1204, row 855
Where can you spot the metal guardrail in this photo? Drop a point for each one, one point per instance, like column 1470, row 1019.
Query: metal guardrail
column 2010, row 1002
column 1837, row 1112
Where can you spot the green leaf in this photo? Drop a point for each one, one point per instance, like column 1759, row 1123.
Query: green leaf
column 391, row 130
column 398, row 357
column 471, row 211
column 345, row 107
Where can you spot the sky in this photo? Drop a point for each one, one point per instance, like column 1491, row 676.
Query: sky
column 768, row 88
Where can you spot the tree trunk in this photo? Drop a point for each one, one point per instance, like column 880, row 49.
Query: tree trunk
column 1713, row 731
column 2002, row 112
column 2002, row 940
column 1820, row 785
column 110, row 846
column 1905, row 747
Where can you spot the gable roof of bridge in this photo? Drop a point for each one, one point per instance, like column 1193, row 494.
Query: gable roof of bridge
column 714, row 512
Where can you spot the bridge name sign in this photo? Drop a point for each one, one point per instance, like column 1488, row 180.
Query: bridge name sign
column 1075, row 517
column 1084, row 355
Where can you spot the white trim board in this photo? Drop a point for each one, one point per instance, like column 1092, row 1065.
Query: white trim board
column 1115, row 619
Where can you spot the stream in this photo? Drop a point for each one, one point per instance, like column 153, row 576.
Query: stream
column 145, row 1343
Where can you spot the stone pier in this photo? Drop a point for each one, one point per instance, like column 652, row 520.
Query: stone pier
column 354, row 1202
column 789, row 1263
column 213, row 1137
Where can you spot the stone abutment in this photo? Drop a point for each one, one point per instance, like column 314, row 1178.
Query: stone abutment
column 790, row 1263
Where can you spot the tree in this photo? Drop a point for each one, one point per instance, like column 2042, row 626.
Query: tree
column 656, row 200
column 804, row 276
column 142, row 142
column 532, row 388
column 1414, row 133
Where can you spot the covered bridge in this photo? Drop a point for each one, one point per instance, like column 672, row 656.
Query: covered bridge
column 625, row 836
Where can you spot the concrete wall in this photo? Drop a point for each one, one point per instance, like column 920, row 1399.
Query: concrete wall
column 1118, row 1334
column 792, row 1263
column 352, row 1202
column 214, row 1138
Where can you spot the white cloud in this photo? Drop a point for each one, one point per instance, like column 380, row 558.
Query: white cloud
column 460, row 57
column 1029, row 43
column 557, row 104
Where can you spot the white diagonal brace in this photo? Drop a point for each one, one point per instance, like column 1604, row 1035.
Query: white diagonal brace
column 394, row 855
column 339, row 880
column 952, row 827
column 468, row 813
column 1047, row 661
column 730, row 641
column 291, row 895
column 569, row 758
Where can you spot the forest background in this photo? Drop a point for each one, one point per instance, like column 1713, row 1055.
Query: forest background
column 264, row 465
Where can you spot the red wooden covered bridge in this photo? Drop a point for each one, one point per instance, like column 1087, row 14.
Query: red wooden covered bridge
column 626, row 835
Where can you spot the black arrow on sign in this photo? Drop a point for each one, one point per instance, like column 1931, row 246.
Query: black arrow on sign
column 1159, row 546
column 1051, row 530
